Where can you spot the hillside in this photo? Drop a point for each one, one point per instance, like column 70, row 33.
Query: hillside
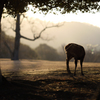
column 25, row 51
column 81, row 33
column 43, row 51
column 47, row 53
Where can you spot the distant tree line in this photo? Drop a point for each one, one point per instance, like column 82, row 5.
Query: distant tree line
column 92, row 57
column 46, row 52
column 92, row 54
column 43, row 51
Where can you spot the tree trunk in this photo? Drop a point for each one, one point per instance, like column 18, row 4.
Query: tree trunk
column 1, row 11
column 17, row 40
column 0, row 53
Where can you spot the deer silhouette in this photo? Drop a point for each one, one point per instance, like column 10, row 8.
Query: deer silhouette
column 77, row 52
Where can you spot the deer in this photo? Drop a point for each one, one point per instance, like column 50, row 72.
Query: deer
column 77, row 52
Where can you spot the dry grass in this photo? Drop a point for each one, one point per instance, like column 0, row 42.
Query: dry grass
column 48, row 80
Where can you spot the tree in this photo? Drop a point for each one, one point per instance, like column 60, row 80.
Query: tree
column 15, row 7
column 19, row 6
column 47, row 53
column 25, row 51
column 15, row 53
column 47, row 5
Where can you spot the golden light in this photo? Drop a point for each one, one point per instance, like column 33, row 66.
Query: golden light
column 79, row 17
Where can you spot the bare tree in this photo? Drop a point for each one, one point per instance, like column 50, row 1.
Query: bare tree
column 14, row 54
column 40, row 33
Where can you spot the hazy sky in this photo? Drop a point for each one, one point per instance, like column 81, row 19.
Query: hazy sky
column 93, row 19
column 90, row 18
column 56, row 33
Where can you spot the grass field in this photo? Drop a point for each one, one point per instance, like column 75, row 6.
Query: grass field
column 49, row 80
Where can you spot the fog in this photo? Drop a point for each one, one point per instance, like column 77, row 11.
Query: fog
column 81, row 33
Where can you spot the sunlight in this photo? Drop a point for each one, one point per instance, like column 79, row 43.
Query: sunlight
column 29, row 13
column 49, row 17
column 79, row 17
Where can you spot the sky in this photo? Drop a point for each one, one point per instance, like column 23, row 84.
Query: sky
column 88, row 18
column 77, row 17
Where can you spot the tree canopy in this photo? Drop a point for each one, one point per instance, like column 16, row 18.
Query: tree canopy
column 63, row 6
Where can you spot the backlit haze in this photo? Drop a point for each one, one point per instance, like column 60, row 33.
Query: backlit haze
column 78, row 28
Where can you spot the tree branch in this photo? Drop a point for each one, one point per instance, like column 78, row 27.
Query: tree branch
column 8, row 47
column 22, row 18
column 36, row 37
column 29, row 38
column 12, row 25
column 50, row 27
column 12, row 29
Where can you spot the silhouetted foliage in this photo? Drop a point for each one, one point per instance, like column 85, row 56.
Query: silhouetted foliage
column 25, row 51
column 63, row 6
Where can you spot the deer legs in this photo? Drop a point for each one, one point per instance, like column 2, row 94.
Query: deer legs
column 67, row 64
column 75, row 66
column 81, row 61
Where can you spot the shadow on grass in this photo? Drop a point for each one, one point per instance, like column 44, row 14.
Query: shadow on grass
column 56, row 85
column 29, row 90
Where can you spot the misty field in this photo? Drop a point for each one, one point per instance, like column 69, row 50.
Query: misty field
column 49, row 80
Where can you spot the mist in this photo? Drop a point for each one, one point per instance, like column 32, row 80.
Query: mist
column 76, row 32
column 80, row 33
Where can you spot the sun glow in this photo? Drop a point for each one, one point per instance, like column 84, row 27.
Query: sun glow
column 79, row 17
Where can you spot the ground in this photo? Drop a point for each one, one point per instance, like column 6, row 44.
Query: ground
column 48, row 80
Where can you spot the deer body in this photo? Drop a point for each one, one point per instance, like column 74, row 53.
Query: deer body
column 74, row 51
